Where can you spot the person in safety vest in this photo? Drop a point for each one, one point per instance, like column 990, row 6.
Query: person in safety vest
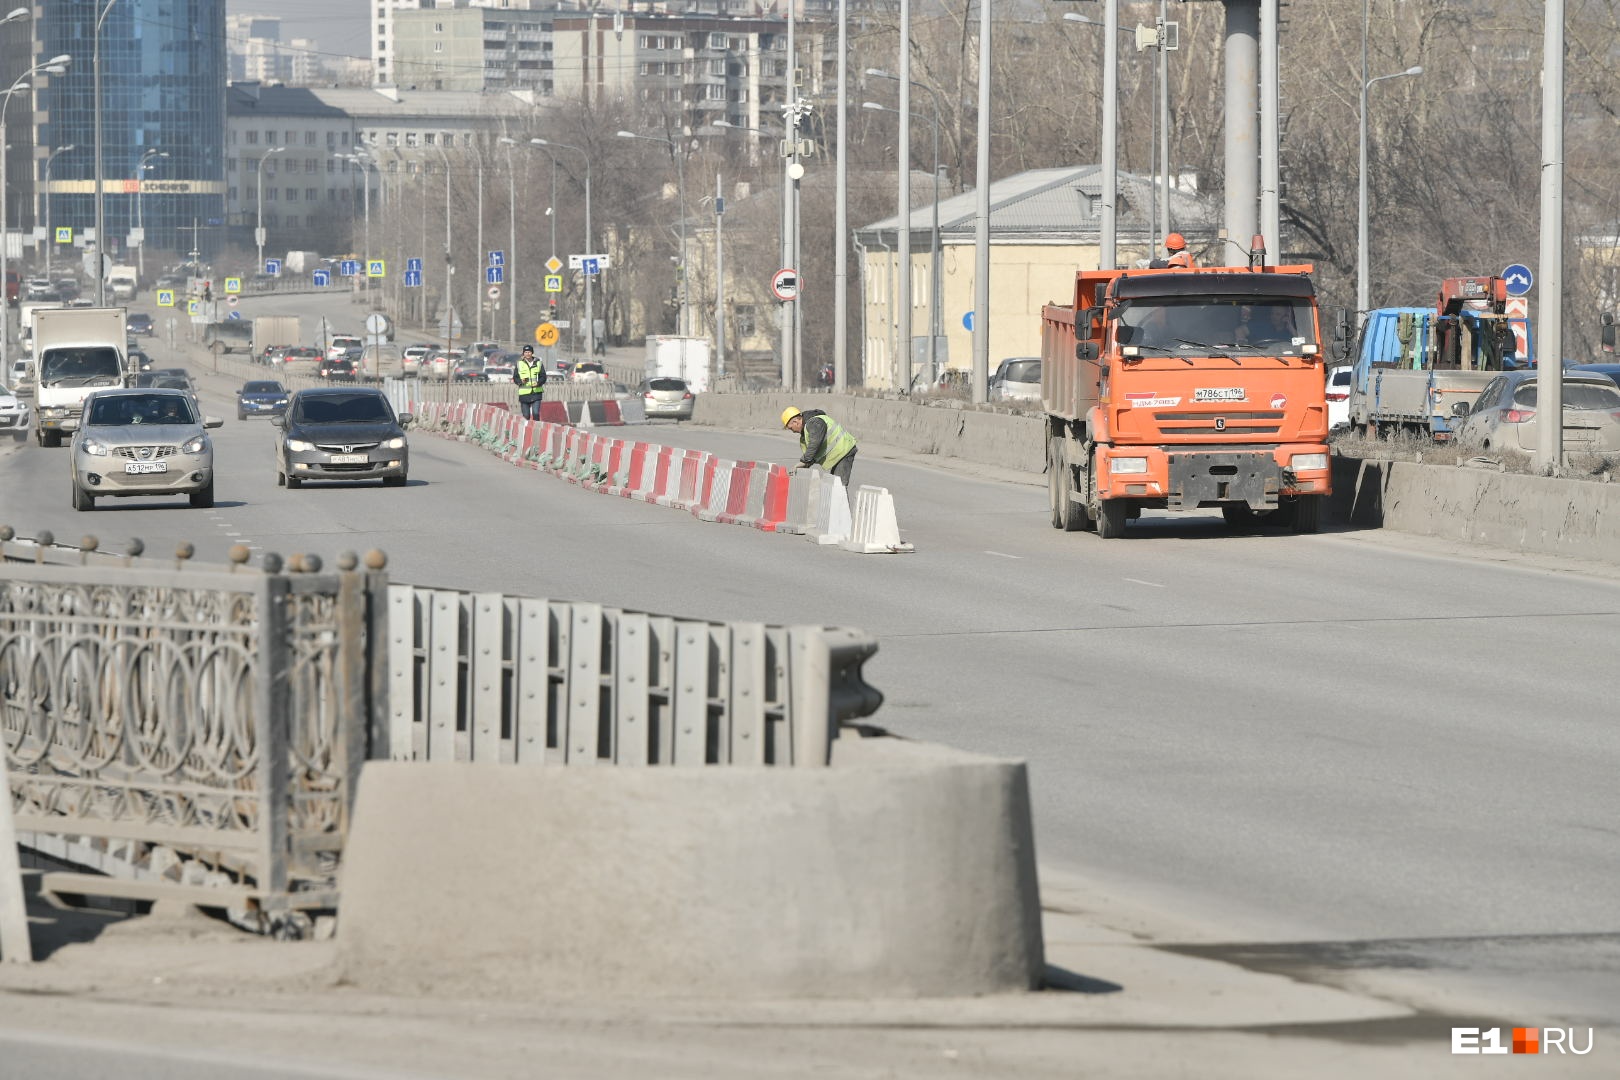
column 531, row 383
column 823, row 441
column 1179, row 256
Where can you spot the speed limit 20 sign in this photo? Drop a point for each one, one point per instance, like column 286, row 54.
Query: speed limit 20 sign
column 786, row 284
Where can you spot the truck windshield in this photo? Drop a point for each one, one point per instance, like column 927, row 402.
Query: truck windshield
column 90, row 365
column 1199, row 326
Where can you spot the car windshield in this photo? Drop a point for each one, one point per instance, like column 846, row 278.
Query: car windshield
column 263, row 388
column 1024, row 371
column 91, row 365
column 125, row 410
column 666, row 384
column 1577, row 395
column 343, row 409
column 1226, row 324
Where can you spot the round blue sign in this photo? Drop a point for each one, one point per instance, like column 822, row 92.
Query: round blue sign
column 967, row 321
column 1518, row 278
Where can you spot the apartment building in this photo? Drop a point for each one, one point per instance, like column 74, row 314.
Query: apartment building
column 473, row 48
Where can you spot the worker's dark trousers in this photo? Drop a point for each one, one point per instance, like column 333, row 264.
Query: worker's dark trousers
column 530, row 404
column 845, row 466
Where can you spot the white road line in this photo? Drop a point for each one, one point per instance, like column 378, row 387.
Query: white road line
column 1149, row 584
column 1003, row 555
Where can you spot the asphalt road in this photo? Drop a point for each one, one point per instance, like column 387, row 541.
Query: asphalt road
column 1326, row 754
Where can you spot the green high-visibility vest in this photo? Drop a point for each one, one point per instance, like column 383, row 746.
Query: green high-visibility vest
column 531, row 377
column 834, row 448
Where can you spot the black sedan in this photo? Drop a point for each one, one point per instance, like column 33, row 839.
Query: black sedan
column 141, row 323
column 261, row 397
column 341, row 433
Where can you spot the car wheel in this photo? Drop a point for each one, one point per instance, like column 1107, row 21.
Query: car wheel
column 82, row 499
column 294, row 483
column 240, row 415
column 202, row 500
column 393, row 481
column 281, row 478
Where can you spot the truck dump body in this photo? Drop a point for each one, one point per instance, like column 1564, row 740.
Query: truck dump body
column 1185, row 388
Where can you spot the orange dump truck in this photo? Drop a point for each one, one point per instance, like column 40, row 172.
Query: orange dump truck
column 1182, row 389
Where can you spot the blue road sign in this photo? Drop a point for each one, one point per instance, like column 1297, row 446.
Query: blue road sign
column 323, row 277
column 1519, row 279
column 349, row 267
column 233, row 314
column 494, row 275
column 592, row 267
column 413, row 279
column 272, row 267
column 413, row 264
column 967, row 321
column 497, row 258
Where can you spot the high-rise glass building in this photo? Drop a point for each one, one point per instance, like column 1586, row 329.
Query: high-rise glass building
column 163, row 67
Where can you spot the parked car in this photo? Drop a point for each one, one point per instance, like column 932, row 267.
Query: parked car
column 341, row 433
column 667, row 397
column 1339, row 380
column 261, row 397
column 13, row 415
column 588, row 371
column 1610, row 370
column 1504, row 416
column 142, row 442
column 1017, row 378
column 139, row 322
column 336, row 369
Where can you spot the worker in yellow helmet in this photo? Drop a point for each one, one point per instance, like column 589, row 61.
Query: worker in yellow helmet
column 822, row 441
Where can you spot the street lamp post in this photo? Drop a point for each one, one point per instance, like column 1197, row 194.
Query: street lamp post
column 50, row 234
column 101, row 217
column 936, row 326
column 680, row 180
column 258, row 215
column 590, row 323
column 55, row 66
column 1362, row 273
column 511, row 238
column 1108, row 222
column 140, row 218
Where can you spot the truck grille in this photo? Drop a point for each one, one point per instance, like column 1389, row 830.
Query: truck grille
column 1234, row 423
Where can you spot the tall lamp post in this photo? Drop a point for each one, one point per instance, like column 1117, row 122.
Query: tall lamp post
column 936, row 326
column 1108, row 222
column 50, row 234
column 140, row 218
column 511, row 235
column 54, row 66
column 590, row 322
column 1362, row 285
column 101, row 217
column 258, row 216
column 680, row 179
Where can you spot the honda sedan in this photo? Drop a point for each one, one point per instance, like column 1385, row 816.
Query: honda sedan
column 341, row 434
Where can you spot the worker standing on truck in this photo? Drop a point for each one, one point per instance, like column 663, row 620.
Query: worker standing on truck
column 1179, row 256
column 531, row 382
column 823, row 441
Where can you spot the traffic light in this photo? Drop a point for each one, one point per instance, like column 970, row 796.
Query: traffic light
column 208, row 290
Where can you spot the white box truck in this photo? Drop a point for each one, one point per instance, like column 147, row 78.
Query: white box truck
column 271, row 330
column 122, row 281
column 77, row 350
column 301, row 262
column 673, row 356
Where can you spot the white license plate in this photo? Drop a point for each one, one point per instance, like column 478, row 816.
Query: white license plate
column 147, row 467
column 350, row 459
column 1219, row 393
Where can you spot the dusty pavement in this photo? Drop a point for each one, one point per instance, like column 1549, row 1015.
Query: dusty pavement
column 177, row 993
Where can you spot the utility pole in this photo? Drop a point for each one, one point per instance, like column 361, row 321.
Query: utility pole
column 719, row 278
column 1549, row 346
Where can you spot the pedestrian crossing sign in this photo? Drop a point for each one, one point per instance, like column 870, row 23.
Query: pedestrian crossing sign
column 165, row 298
column 553, row 283
column 64, row 234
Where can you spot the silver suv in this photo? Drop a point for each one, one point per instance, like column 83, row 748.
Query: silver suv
column 138, row 442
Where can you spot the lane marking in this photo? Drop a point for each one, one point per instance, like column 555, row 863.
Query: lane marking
column 1149, row 584
column 1003, row 555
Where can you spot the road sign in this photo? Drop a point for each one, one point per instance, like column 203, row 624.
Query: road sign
column 494, row 292
column 413, row 264
column 193, row 307
column 967, row 321
column 232, row 299
column 349, row 267
column 592, row 267
column 272, row 267
column 546, row 334
column 165, row 298
column 494, row 275
column 449, row 326
column 785, row 284
column 578, row 262
column 497, row 258
column 233, row 285
column 1517, row 309
column 376, row 268
column 233, row 314
column 553, row 283
column 64, row 234
column 324, row 277
column 413, row 279
column 553, row 264
column 1519, row 279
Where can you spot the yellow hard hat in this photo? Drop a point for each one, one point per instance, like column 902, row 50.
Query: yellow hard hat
column 788, row 414
column 1175, row 241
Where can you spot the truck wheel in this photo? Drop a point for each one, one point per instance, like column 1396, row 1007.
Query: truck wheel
column 1307, row 513
column 1112, row 514
column 1067, row 514
column 1239, row 516
column 50, row 439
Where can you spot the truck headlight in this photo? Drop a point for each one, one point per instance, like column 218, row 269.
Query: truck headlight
column 298, row 446
column 196, row 444
column 1301, row 462
column 53, row 411
column 93, row 448
column 1127, row 465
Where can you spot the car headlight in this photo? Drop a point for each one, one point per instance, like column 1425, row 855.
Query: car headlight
column 196, row 444
column 1308, row 461
column 298, row 446
column 93, row 448
column 281, row 401
column 396, row 444
column 1127, row 465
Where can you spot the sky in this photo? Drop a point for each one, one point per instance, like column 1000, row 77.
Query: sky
column 338, row 25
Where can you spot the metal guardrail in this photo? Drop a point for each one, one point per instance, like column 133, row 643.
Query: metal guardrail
column 491, row 677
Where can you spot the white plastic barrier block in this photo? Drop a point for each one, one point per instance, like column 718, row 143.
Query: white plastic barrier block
column 876, row 529
column 832, row 524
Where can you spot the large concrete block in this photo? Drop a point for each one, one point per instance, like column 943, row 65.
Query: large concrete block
column 903, row 870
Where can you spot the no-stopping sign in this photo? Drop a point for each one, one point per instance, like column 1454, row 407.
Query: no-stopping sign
column 786, row 284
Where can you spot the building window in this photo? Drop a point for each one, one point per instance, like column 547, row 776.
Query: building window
column 410, row 138
column 251, row 164
column 312, row 194
column 427, row 140
column 717, row 41
column 251, row 137
column 309, row 138
column 392, row 139
column 438, row 28
column 290, row 165
column 270, row 194
column 331, row 140
column 331, row 165
column 230, row 195
column 230, row 164
column 717, row 67
column 292, row 194
column 292, row 221
column 269, row 138
column 438, row 46
column 312, row 165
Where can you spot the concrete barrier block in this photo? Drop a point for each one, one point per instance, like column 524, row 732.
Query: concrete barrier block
column 903, row 870
column 875, row 529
